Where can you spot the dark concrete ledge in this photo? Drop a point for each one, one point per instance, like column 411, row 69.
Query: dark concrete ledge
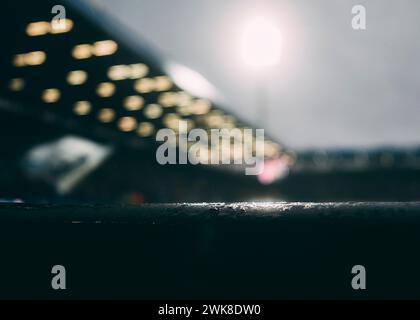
column 156, row 213
column 211, row 251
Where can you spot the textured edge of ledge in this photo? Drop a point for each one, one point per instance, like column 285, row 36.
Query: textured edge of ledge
column 154, row 213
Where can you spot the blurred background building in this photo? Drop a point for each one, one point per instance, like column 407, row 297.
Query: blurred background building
column 80, row 105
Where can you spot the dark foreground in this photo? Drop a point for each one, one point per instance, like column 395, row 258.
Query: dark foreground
column 206, row 251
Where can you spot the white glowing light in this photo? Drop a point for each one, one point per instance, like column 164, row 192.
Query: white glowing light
column 261, row 44
column 191, row 81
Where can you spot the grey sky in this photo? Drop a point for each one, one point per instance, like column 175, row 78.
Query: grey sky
column 334, row 86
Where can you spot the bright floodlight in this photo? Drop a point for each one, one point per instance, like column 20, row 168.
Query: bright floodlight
column 191, row 81
column 261, row 44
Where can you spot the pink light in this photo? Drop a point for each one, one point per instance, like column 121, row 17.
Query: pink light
column 274, row 170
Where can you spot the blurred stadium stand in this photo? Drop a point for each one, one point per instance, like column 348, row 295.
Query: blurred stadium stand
column 92, row 80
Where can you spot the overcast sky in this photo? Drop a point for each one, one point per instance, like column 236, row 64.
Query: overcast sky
column 333, row 87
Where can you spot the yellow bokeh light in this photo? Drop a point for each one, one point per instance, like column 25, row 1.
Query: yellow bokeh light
column 138, row 71
column 17, row 84
column 42, row 28
column 163, row 83
column 183, row 99
column 168, row 99
column 35, row 58
column 214, row 119
column 51, row 95
column 61, row 26
column 133, row 103
column 153, row 111
column 171, row 121
column 271, row 149
column 119, row 72
column 82, row 51
column 106, row 115
column 127, row 124
column 19, row 60
column 105, row 89
column 184, row 110
column 77, row 77
column 145, row 129
column 36, row 29
column 201, row 106
column 124, row 72
column 105, row 48
column 145, row 85
column 82, row 108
